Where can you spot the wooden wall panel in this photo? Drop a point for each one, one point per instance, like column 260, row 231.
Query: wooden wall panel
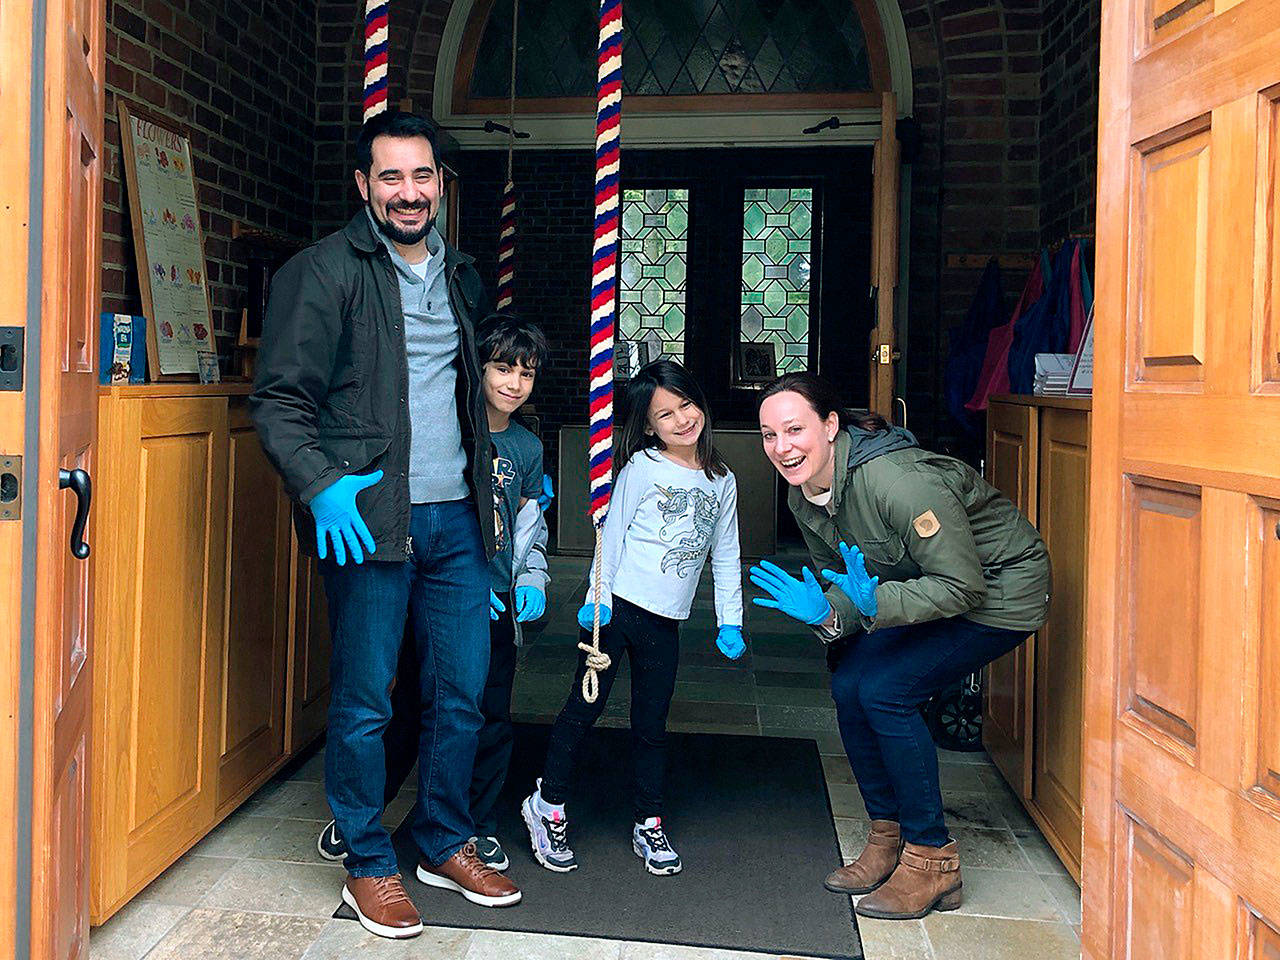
column 1268, row 661
column 1171, row 259
column 1155, row 914
column 1163, row 566
column 1266, row 343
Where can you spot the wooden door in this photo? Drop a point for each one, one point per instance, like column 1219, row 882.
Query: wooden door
column 1012, row 462
column 884, row 259
column 1182, row 725
column 70, row 285
column 1059, row 645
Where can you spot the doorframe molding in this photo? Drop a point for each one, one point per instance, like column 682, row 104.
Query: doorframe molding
column 672, row 129
column 31, row 479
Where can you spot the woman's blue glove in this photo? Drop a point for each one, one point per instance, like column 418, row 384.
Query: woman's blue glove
column 799, row 599
column 854, row 582
column 338, row 521
column 586, row 613
column 496, row 606
column 547, row 494
column 530, row 603
column 730, row 641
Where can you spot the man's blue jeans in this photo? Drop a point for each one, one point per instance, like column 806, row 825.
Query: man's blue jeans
column 443, row 588
column 878, row 684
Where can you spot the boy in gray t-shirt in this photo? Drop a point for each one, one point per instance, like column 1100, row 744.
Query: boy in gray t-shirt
column 511, row 353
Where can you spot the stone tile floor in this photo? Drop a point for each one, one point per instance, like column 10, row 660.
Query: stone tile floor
column 255, row 888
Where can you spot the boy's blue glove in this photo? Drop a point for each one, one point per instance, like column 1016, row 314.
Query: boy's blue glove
column 587, row 612
column 730, row 641
column 799, row 599
column 547, row 494
column 339, row 522
column 854, row 582
column 496, row 606
column 530, row 603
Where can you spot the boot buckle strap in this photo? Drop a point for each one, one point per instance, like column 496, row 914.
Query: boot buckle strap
column 917, row 862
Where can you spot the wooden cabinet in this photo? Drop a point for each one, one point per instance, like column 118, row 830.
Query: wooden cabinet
column 198, row 681
column 1038, row 455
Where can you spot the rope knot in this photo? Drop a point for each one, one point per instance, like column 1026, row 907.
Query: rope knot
column 597, row 660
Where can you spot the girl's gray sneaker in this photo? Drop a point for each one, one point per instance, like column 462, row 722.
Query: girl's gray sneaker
column 650, row 843
column 547, row 832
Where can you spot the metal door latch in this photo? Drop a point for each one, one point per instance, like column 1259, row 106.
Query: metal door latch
column 11, row 357
column 10, row 488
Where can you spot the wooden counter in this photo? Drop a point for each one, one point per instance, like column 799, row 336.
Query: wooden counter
column 211, row 639
column 1038, row 455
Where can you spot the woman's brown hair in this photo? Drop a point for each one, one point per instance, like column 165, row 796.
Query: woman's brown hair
column 823, row 398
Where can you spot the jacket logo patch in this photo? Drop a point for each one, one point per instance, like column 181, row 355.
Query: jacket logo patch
column 926, row 524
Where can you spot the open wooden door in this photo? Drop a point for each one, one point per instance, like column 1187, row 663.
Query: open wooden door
column 68, row 386
column 884, row 258
column 1182, row 718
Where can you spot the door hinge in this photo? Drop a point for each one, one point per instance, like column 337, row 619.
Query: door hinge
column 10, row 488
column 11, row 341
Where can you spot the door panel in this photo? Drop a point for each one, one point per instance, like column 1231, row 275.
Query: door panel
column 1181, row 731
column 73, row 101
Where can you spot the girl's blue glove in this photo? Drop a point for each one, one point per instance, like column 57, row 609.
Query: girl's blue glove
column 530, row 603
column 496, row 606
column 338, row 521
column 730, row 641
column 547, row 494
column 799, row 599
column 587, row 612
column 854, row 582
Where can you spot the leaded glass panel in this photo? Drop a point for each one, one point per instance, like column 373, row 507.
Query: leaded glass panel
column 651, row 281
column 673, row 47
column 776, row 242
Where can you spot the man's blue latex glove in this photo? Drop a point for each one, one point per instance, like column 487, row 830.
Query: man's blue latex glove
column 338, row 521
column 587, row 612
column 730, row 641
column 547, row 494
column 799, row 599
column 496, row 606
column 854, row 582
column 530, row 603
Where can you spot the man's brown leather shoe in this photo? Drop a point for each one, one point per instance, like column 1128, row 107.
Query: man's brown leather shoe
column 874, row 864
column 382, row 906
column 927, row 879
column 467, row 874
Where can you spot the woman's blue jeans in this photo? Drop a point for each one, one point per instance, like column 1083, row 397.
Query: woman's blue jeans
column 878, row 684
column 443, row 591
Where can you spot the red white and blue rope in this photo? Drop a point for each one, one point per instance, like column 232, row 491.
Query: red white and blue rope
column 604, row 258
column 375, row 57
column 507, row 248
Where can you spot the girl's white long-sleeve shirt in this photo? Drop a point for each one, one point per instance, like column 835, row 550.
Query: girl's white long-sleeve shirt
column 663, row 521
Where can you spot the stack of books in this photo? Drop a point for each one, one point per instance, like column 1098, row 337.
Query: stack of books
column 1053, row 374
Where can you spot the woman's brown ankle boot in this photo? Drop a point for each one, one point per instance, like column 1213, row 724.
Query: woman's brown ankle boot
column 927, row 879
column 874, row 864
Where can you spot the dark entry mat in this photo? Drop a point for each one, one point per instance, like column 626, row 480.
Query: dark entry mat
column 748, row 815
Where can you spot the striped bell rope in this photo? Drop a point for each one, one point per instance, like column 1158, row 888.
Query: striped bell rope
column 507, row 226
column 375, row 58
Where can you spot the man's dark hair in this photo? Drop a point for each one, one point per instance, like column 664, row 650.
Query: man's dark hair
column 392, row 123
column 504, row 338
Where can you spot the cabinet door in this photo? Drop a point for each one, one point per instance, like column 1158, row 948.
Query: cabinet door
column 1012, row 451
column 162, row 542
column 1059, row 662
column 257, row 615
column 310, row 691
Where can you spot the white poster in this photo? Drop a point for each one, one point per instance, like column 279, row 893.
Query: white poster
column 168, row 245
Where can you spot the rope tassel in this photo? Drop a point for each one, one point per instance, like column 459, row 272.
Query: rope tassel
column 604, row 270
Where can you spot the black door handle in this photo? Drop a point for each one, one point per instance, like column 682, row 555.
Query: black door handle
column 78, row 480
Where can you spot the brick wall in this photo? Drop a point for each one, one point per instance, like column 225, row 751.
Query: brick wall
column 1069, row 117
column 239, row 77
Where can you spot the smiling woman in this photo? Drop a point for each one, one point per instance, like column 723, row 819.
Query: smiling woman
column 931, row 574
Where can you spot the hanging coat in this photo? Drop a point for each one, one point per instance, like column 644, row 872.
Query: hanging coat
column 994, row 378
column 1046, row 327
column 968, row 347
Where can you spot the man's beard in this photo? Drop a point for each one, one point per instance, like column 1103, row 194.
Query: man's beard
column 401, row 236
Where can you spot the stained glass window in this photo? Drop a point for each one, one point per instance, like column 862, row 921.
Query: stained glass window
column 651, row 282
column 777, row 232
column 678, row 47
